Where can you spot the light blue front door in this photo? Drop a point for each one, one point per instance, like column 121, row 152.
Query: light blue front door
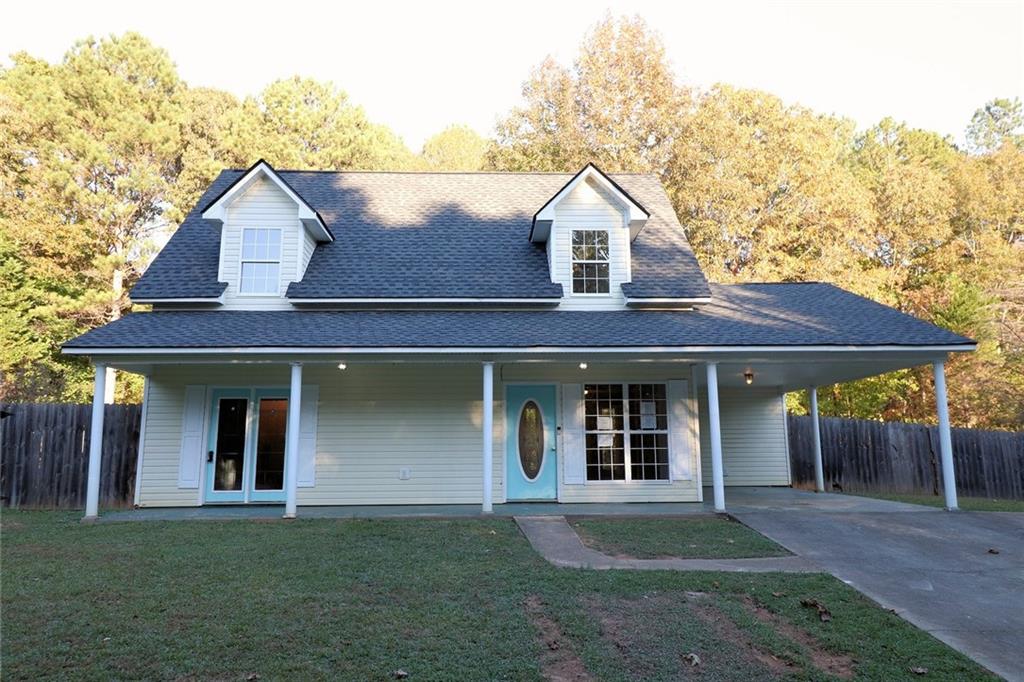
column 246, row 451
column 531, row 457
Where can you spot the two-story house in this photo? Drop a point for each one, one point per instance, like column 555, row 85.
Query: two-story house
column 351, row 338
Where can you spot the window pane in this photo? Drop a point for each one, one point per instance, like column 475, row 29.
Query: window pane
column 648, row 453
column 259, row 278
column 602, row 280
column 648, row 409
column 270, row 439
column 261, row 244
column 590, row 262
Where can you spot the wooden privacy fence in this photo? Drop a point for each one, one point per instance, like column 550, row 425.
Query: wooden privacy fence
column 44, row 454
column 860, row 455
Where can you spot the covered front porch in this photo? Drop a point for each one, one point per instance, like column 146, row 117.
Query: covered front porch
column 362, row 428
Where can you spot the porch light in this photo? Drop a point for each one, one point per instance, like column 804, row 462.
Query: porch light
column 342, row 365
column 749, row 376
column 583, row 365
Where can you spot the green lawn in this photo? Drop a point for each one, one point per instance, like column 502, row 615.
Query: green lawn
column 457, row 600
column 691, row 537
column 965, row 503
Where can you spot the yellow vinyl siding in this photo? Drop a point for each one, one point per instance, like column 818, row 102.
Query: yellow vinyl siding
column 753, row 437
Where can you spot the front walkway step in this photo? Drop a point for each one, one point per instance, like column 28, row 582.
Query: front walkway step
column 556, row 541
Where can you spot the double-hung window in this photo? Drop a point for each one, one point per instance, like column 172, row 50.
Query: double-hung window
column 261, row 261
column 590, row 262
column 626, row 430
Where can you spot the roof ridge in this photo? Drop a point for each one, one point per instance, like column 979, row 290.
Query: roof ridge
column 428, row 172
column 741, row 284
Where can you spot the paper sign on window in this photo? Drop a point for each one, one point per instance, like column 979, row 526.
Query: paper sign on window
column 605, row 440
column 648, row 415
column 604, row 423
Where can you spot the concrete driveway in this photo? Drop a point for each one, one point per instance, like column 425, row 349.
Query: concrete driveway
column 933, row 567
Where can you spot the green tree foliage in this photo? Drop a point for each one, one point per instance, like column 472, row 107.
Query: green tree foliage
column 302, row 123
column 998, row 122
column 91, row 150
column 456, row 148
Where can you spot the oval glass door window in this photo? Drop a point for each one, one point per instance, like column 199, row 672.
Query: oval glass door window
column 531, row 439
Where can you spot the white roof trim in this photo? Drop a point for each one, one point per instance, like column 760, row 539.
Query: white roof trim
column 660, row 302
column 435, row 300
column 217, row 210
column 636, row 215
column 204, row 300
column 533, row 350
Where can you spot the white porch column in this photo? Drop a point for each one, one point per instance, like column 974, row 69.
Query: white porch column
column 717, row 477
column 92, row 489
column 819, row 469
column 945, row 438
column 108, row 392
column 488, row 436
column 291, row 457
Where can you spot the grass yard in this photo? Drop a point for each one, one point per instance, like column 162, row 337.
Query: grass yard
column 965, row 503
column 689, row 537
column 460, row 599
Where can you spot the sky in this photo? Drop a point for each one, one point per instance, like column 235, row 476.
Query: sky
column 421, row 66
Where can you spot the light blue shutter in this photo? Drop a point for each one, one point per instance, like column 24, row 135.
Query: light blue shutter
column 679, row 430
column 307, row 436
column 193, row 419
column 574, row 457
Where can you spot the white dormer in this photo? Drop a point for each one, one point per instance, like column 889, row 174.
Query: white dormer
column 588, row 227
column 268, row 234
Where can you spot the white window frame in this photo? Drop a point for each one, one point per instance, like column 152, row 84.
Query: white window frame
column 626, row 432
column 573, row 261
column 242, row 260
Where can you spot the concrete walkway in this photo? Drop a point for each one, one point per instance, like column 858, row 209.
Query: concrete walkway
column 934, row 569
column 556, row 541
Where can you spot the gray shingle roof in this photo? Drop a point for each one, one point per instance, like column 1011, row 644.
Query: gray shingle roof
column 739, row 315
column 422, row 235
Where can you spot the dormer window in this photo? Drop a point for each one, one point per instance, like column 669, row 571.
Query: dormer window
column 261, row 261
column 590, row 262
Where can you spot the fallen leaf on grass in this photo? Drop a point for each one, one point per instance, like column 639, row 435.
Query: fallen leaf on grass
column 778, row 594
column 251, row 677
column 823, row 613
column 692, row 659
column 919, row 671
column 399, row 674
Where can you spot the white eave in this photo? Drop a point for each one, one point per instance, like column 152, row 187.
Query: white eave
column 311, row 220
column 667, row 302
column 636, row 215
column 182, row 300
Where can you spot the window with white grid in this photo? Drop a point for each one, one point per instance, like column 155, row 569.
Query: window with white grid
column 590, row 262
column 261, row 261
column 626, row 432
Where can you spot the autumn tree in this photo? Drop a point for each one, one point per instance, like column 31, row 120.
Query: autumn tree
column 456, row 148
column 618, row 106
column 303, row 123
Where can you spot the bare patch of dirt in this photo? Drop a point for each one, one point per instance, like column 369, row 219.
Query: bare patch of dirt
column 559, row 663
column 726, row 629
column 839, row 665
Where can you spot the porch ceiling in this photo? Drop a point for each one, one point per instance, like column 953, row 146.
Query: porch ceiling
column 788, row 369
